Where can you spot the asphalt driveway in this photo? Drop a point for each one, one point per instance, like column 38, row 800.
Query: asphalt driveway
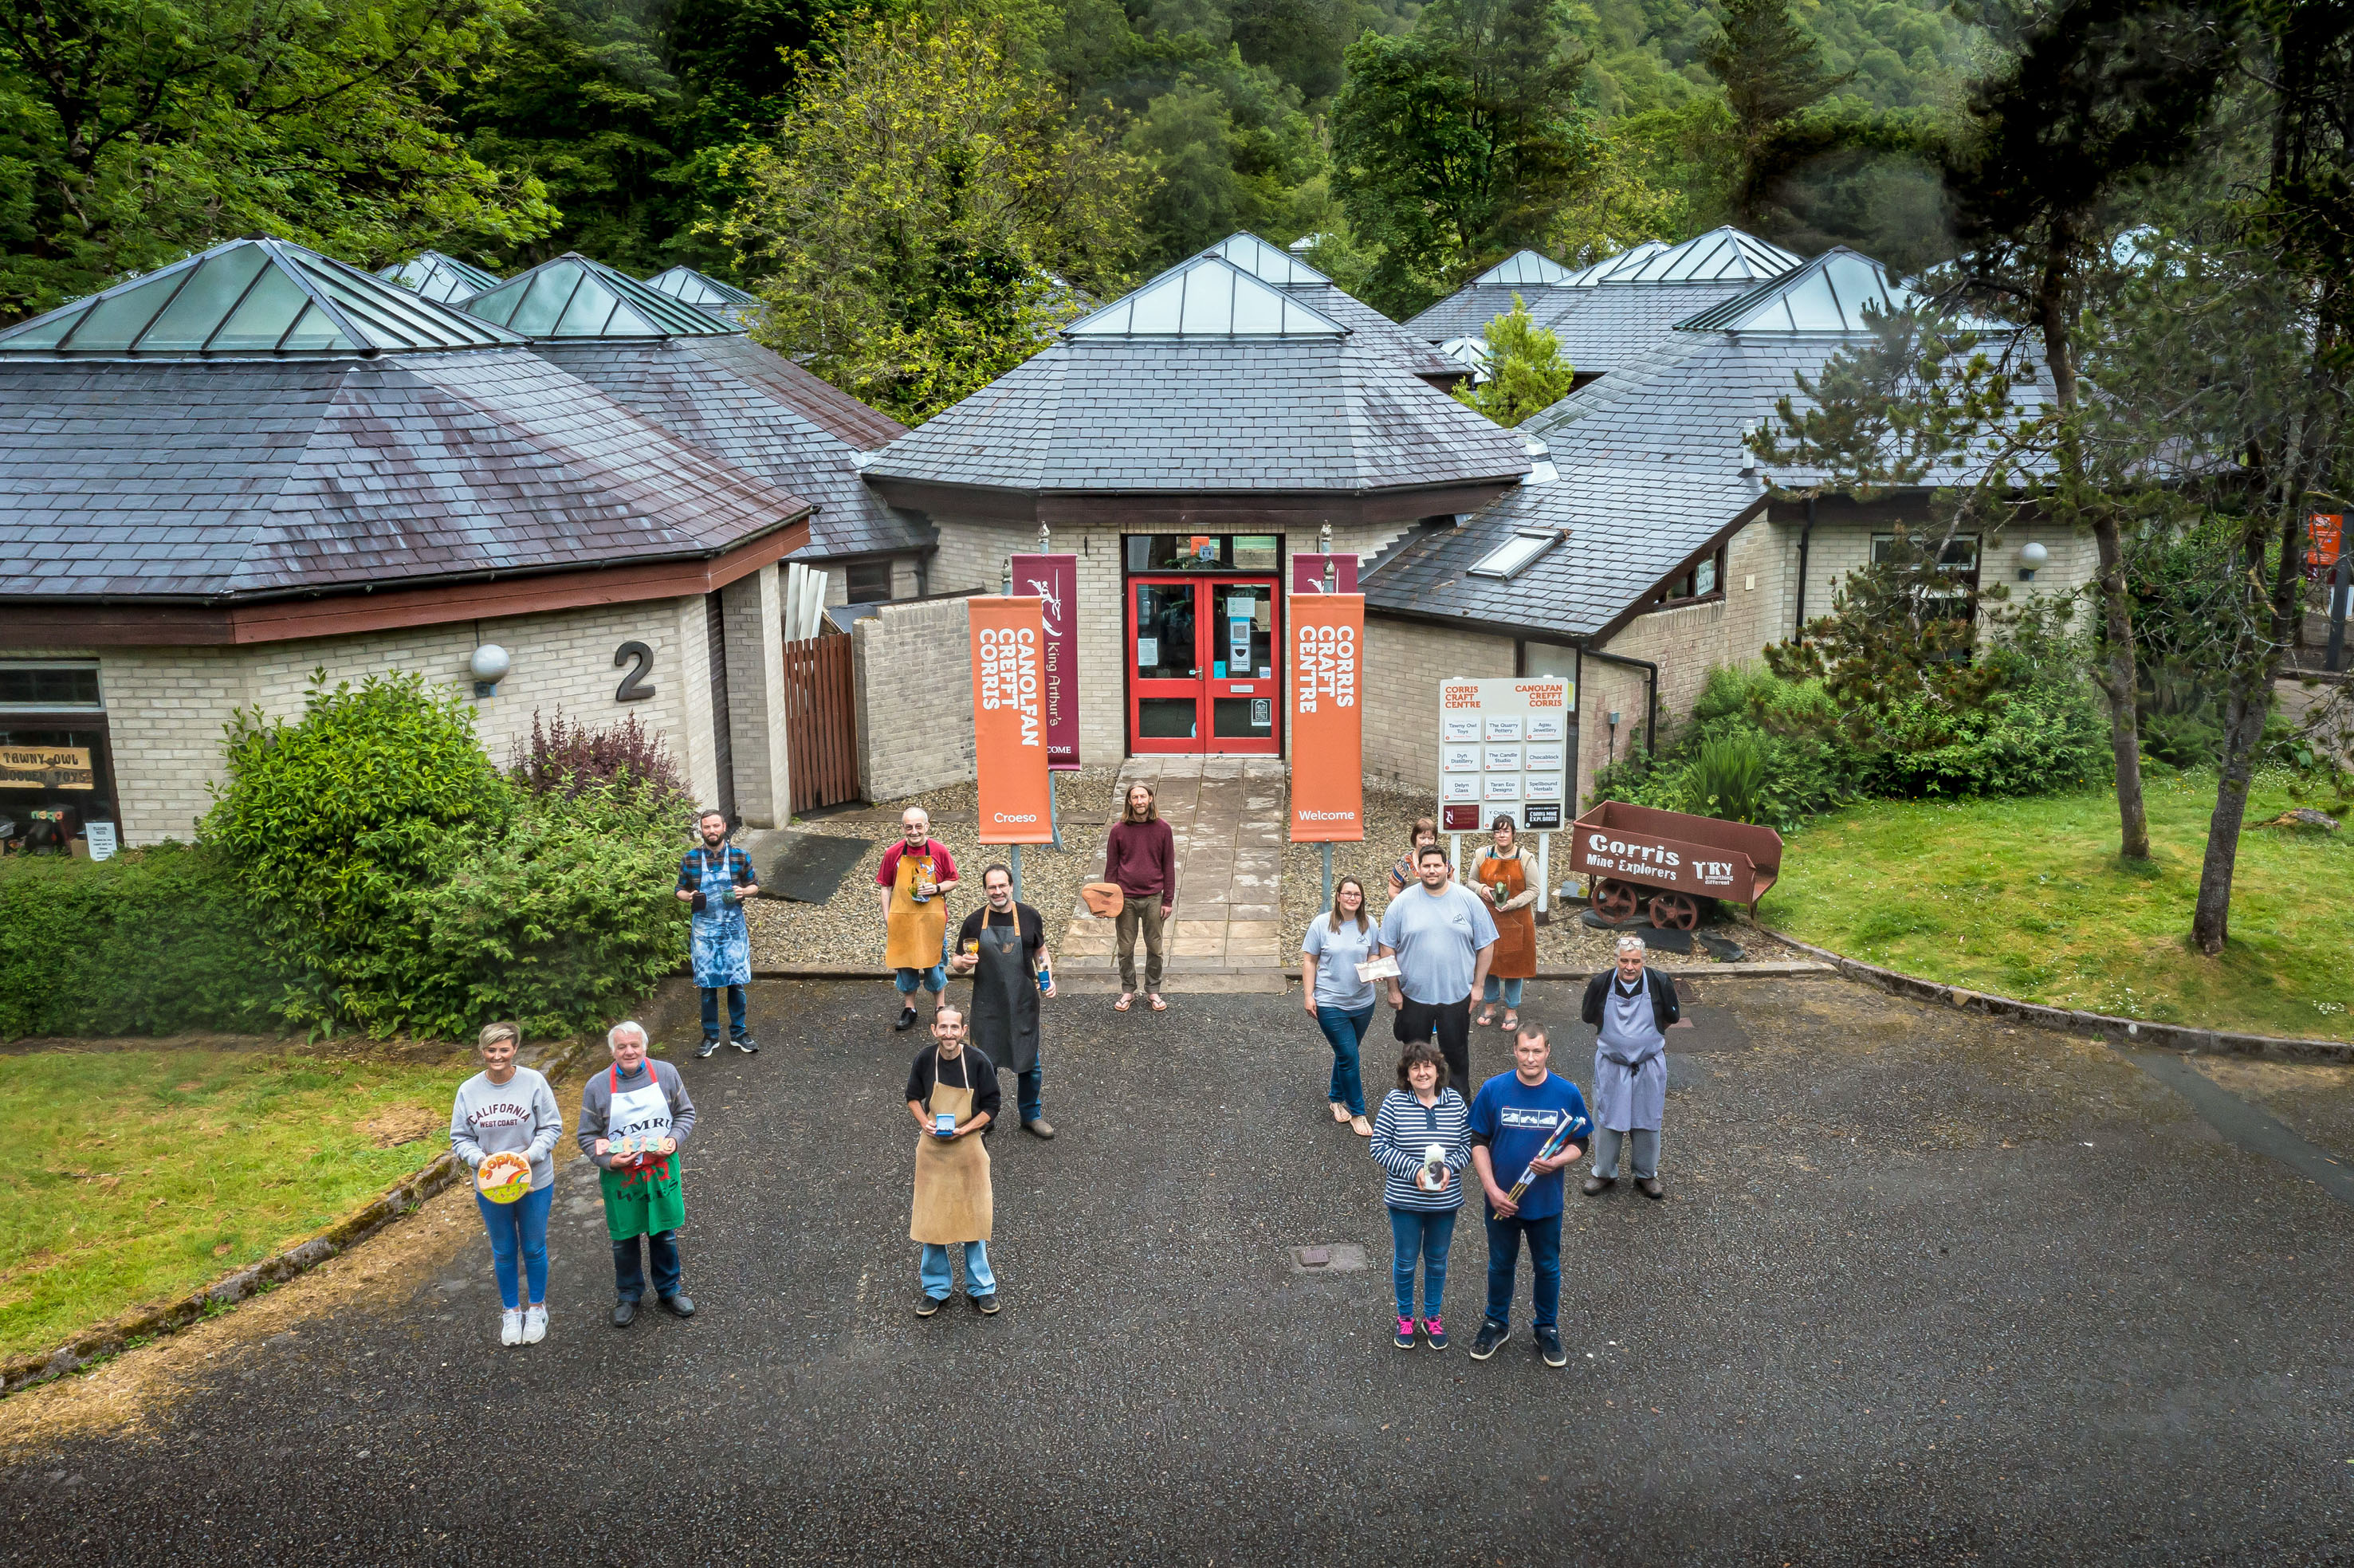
column 1925, row 1289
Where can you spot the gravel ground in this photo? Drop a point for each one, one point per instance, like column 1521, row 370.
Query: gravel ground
column 846, row 931
column 1566, row 943
column 1925, row 1289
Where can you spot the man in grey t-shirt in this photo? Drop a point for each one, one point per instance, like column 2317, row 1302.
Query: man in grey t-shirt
column 1443, row 939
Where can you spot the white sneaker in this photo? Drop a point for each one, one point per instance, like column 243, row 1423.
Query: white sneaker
column 535, row 1325
column 511, row 1326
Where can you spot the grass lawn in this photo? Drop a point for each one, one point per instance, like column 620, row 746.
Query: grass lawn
column 2028, row 899
column 141, row 1175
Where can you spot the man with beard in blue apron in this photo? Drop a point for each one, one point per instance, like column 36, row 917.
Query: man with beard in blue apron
column 713, row 880
column 1632, row 1008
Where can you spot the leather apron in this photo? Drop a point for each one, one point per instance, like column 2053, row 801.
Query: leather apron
column 1516, row 929
column 915, row 929
column 952, row 1192
column 1005, row 998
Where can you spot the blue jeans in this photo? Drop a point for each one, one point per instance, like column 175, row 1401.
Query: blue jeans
column 662, row 1246
column 1347, row 1031
column 520, row 1227
column 934, row 979
column 1544, row 1265
column 735, row 1012
column 1026, row 1086
column 1416, row 1233
column 1506, row 991
column 938, row 1282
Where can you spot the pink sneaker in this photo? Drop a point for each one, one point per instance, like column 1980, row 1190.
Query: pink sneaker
column 1436, row 1331
column 1405, row 1334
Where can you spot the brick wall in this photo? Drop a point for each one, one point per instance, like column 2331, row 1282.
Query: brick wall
column 165, row 706
column 1404, row 665
column 756, row 695
column 911, row 682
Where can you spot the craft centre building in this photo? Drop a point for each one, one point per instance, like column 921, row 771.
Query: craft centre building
column 573, row 491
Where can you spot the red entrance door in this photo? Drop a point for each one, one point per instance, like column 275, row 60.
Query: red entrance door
column 1202, row 666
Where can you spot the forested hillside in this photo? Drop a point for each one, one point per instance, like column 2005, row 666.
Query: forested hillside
column 507, row 131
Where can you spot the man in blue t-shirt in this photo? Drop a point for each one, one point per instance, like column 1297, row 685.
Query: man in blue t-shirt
column 1512, row 1117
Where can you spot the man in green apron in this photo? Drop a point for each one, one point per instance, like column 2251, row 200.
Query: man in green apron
column 952, row 1094
column 634, row 1117
column 1002, row 945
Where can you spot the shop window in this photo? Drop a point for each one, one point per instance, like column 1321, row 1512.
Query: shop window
column 870, row 581
column 1703, row 580
column 1204, row 552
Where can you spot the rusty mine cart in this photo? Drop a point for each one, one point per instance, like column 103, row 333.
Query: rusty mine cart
column 1635, row 854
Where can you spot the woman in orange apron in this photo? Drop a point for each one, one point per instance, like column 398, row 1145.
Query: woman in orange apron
column 952, row 1094
column 1506, row 880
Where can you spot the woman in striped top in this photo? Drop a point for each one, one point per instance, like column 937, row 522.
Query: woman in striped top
column 1423, row 1194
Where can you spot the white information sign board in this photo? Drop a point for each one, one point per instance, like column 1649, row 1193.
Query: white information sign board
column 1503, row 747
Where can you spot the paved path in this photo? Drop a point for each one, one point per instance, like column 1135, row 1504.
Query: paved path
column 1226, row 814
column 1924, row 1290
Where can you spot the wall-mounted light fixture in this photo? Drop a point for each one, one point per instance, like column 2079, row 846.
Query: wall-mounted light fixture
column 489, row 666
column 2031, row 555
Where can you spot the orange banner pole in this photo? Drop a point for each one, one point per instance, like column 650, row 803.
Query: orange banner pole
column 1009, row 718
column 1328, row 730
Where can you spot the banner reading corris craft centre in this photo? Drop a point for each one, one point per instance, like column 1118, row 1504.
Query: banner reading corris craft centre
column 1328, row 770
column 1009, row 719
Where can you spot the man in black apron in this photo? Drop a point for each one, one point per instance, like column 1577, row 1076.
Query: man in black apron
column 1003, row 946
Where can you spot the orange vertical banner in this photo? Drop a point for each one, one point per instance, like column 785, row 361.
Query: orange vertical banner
column 1009, row 719
column 1328, row 730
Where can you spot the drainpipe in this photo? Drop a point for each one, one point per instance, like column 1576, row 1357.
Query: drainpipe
column 1650, row 689
column 1805, row 535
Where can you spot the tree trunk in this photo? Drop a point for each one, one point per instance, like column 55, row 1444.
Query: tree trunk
column 2118, row 681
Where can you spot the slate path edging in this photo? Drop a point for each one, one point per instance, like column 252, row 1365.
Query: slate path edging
column 2069, row 1021
column 152, row 1322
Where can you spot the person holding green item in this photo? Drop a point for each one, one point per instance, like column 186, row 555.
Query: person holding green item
column 634, row 1117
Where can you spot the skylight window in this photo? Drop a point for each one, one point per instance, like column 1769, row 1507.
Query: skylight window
column 1517, row 554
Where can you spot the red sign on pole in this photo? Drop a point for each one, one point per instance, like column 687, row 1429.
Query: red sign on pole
column 2325, row 536
column 1328, row 732
column 1307, row 573
column 1054, row 580
column 1009, row 720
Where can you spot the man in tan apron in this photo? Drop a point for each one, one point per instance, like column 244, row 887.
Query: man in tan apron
column 952, row 1094
column 915, row 880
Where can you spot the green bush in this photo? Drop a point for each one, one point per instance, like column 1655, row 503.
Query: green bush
column 154, row 941
column 333, row 821
column 560, row 920
column 2032, row 740
column 1758, row 748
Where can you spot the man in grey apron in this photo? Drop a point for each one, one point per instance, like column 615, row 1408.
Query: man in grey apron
column 1631, row 1007
column 1002, row 945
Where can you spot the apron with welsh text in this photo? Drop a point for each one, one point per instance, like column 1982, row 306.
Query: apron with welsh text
column 645, row 1199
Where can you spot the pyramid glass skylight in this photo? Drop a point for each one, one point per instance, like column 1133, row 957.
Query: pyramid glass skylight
column 1267, row 263
column 1826, row 296
column 1720, row 256
column 1206, row 297
column 1610, row 266
column 253, row 297
column 1526, row 268
column 699, row 290
column 573, row 297
column 441, row 277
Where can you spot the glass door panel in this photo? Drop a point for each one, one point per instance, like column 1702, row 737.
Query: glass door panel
column 1164, row 669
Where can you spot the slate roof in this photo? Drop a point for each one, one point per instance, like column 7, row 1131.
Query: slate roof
column 258, row 477
column 442, row 279
column 1205, row 415
column 248, row 298
column 763, row 414
column 571, row 296
column 1466, row 311
column 1650, row 466
column 1607, row 328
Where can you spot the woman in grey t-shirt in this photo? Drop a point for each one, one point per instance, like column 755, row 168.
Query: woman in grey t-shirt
column 1343, row 1005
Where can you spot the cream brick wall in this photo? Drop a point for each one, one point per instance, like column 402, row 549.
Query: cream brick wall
column 1840, row 549
column 166, row 707
column 756, row 696
column 911, row 682
column 1404, row 666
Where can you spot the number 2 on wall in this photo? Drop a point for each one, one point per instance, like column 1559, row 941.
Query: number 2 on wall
column 640, row 659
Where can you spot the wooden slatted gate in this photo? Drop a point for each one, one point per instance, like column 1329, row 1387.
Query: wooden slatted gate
column 820, row 727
